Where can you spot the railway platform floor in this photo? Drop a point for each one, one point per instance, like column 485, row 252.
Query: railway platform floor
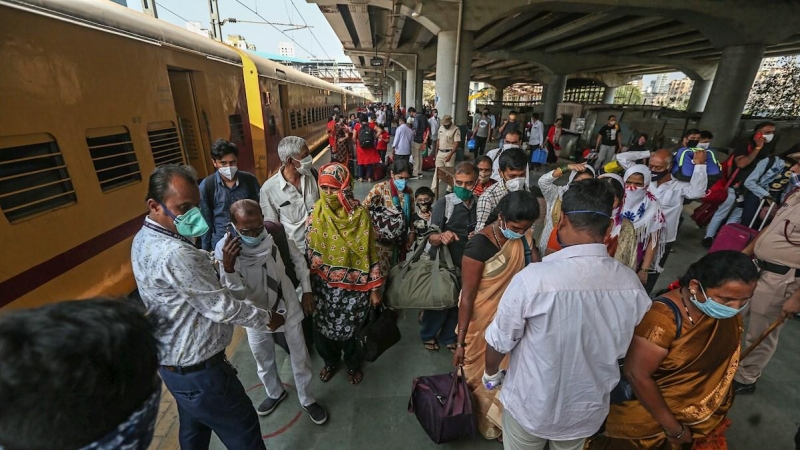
column 373, row 414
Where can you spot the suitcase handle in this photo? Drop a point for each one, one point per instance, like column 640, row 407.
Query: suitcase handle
column 755, row 216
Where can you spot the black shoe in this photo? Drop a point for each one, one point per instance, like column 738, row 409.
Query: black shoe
column 269, row 404
column 743, row 389
column 317, row 413
column 707, row 242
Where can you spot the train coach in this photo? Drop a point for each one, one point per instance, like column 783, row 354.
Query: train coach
column 95, row 96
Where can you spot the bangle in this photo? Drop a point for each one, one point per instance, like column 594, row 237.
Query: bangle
column 460, row 344
column 683, row 431
column 564, row 168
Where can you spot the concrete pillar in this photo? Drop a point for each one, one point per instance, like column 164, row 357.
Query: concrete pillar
column 553, row 96
column 735, row 74
column 445, row 71
column 608, row 95
column 700, row 91
column 418, row 88
column 464, row 74
column 398, row 87
column 498, row 95
column 390, row 90
column 411, row 89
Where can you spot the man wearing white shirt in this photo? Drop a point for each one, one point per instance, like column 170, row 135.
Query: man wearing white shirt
column 434, row 123
column 512, row 140
column 670, row 192
column 259, row 277
column 564, row 335
column 536, row 138
column 380, row 116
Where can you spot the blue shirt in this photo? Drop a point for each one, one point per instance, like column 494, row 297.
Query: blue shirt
column 218, row 217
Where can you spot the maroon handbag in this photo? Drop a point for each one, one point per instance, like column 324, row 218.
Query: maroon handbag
column 443, row 406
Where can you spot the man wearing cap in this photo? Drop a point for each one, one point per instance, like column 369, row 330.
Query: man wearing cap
column 445, row 149
column 777, row 252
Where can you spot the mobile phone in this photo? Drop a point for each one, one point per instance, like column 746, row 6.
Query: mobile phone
column 758, row 136
column 232, row 231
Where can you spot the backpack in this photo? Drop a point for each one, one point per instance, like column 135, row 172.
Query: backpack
column 366, row 138
column 684, row 167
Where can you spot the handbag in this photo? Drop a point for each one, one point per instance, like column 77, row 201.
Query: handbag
column 377, row 333
column 423, row 284
column 624, row 390
column 443, row 406
column 703, row 214
column 389, row 223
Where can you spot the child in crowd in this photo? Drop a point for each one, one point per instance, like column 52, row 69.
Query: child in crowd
column 421, row 219
column 382, row 142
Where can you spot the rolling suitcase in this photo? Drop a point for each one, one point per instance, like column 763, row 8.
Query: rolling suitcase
column 735, row 236
column 378, row 171
column 428, row 163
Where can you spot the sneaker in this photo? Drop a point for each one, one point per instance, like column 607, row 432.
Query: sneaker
column 743, row 389
column 707, row 242
column 317, row 413
column 269, row 404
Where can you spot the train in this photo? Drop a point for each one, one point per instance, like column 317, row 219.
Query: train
column 95, row 96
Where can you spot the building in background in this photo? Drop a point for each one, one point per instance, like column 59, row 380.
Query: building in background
column 661, row 85
column 197, row 28
column 238, row 41
column 286, row 49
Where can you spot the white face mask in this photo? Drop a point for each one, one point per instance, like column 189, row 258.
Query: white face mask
column 305, row 165
column 228, row 172
column 508, row 146
column 703, row 145
column 768, row 138
column 515, row 184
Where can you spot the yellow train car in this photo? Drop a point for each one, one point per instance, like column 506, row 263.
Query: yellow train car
column 95, row 96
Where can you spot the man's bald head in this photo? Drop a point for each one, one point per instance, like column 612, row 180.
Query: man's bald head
column 663, row 156
column 245, row 210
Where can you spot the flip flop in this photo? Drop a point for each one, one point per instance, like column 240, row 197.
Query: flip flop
column 354, row 376
column 327, row 373
column 431, row 346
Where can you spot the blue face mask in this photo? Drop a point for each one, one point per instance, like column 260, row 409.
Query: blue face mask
column 252, row 241
column 510, row 234
column 400, row 184
column 714, row 309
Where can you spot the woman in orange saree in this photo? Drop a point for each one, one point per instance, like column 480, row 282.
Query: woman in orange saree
column 683, row 383
column 491, row 259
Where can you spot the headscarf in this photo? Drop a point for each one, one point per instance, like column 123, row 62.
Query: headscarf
column 641, row 207
column 136, row 432
column 617, row 213
column 341, row 245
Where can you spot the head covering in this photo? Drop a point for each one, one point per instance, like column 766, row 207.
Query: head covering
column 447, row 120
column 341, row 245
column 641, row 207
column 136, row 432
column 617, row 213
column 574, row 173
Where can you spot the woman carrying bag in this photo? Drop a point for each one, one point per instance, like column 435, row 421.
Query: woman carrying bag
column 345, row 271
column 491, row 259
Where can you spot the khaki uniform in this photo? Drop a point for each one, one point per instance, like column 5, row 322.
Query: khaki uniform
column 448, row 140
column 773, row 289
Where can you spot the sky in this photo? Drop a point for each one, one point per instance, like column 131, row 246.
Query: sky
column 265, row 37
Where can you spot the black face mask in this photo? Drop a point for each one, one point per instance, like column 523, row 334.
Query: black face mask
column 655, row 176
column 692, row 144
column 447, row 127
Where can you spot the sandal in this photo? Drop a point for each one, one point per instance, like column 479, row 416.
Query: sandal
column 354, row 376
column 327, row 373
column 452, row 348
column 431, row 346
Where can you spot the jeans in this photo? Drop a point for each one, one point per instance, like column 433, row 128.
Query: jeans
column 365, row 171
column 331, row 351
column 213, row 399
column 442, row 322
column 480, row 145
column 405, row 158
column 652, row 278
column 262, row 345
column 726, row 213
column 750, row 210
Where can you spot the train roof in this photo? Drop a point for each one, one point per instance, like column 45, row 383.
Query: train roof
column 113, row 18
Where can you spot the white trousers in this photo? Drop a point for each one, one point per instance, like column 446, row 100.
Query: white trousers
column 262, row 345
column 517, row 438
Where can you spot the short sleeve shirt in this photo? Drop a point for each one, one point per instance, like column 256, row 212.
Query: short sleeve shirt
column 609, row 134
column 743, row 148
column 484, row 124
column 510, row 126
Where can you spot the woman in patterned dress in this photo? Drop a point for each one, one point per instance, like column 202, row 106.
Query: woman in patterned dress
column 641, row 207
column 345, row 271
column 340, row 146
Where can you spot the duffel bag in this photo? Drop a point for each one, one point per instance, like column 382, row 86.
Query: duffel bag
column 443, row 406
column 378, row 332
column 423, row 284
column 683, row 167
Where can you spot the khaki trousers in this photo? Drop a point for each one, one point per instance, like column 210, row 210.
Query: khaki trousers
column 771, row 293
column 517, row 438
column 416, row 153
column 441, row 161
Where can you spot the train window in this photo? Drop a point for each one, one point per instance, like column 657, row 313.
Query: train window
column 293, row 120
column 303, row 117
column 33, row 176
column 237, row 129
column 309, row 119
column 113, row 157
column 165, row 143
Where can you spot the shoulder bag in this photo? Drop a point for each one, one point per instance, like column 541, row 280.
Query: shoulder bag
column 423, row 284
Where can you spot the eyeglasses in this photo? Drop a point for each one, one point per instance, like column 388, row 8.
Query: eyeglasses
column 255, row 232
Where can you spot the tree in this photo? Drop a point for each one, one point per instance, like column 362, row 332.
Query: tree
column 429, row 92
column 628, row 95
column 777, row 92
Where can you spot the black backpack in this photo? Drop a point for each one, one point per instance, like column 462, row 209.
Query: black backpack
column 366, row 138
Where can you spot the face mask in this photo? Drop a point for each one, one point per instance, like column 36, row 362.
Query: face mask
column 332, row 200
column 714, row 309
column 305, row 165
column 424, row 207
column 507, row 146
column 768, row 138
column 228, row 172
column 612, row 123
column 399, row 184
column 515, row 184
column 703, row 145
column 191, row 224
column 252, row 241
column 655, row 176
column 692, row 143
column 447, row 127
column 510, row 234
column 795, row 179
column 484, row 176
column 462, row 193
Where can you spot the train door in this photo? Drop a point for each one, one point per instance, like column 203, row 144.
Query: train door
column 283, row 96
column 188, row 122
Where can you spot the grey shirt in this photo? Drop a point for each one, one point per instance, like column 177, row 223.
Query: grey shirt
column 484, row 125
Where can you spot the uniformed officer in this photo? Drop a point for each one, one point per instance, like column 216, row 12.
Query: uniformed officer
column 777, row 252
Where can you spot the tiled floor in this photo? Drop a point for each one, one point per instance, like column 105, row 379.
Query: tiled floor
column 373, row 415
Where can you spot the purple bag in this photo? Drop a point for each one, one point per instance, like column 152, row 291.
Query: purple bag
column 443, row 406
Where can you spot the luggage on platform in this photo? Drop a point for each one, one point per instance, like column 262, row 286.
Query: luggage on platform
column 735, row 236
column 443, row 406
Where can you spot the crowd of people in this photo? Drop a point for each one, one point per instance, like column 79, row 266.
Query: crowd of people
column 545, row 331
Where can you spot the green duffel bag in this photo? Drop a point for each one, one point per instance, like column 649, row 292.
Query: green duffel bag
column 423, row 284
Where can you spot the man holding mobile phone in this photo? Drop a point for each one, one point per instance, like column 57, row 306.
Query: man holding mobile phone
column 254, row 271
